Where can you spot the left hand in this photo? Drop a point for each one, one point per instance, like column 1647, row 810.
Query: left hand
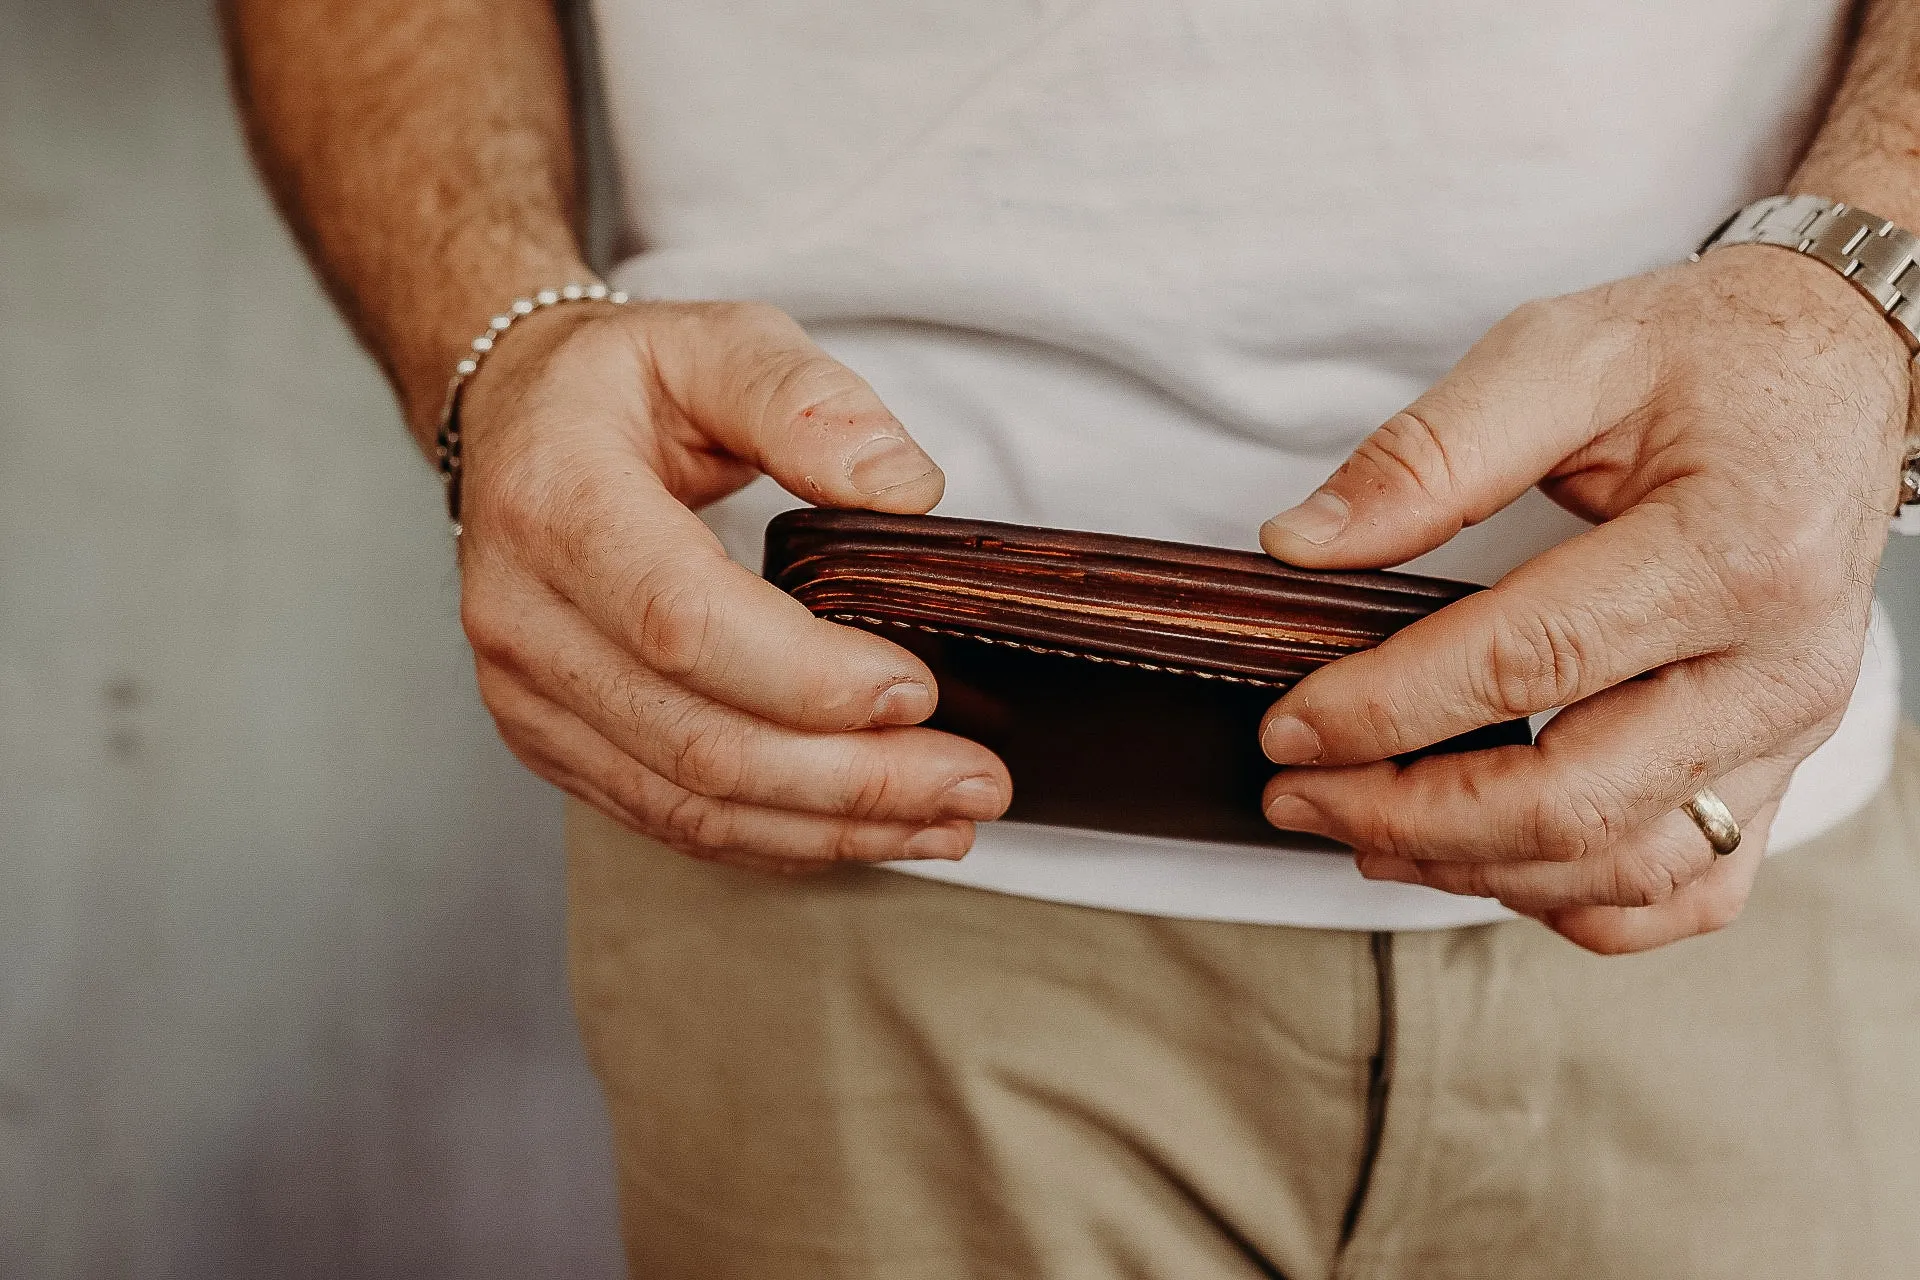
column 1735, row 426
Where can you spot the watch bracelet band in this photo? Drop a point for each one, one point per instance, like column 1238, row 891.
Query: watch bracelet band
column 448, row 457
column 1872, row 254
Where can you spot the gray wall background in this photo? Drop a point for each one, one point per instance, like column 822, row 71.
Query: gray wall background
column 282, row 983
column 281, row 974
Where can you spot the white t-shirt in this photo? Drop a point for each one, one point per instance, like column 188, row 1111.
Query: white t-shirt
column 1155, row 268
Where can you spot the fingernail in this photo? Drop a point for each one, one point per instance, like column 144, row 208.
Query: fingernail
column 1291, row 813
column 936, row 842
column 1318, row 520
column 908, row 702
column 975, row 798
column 887, row 462
column 1290, row 740
column 1399, row 870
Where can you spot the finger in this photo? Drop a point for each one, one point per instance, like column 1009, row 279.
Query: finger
column 1540, row 385
column 654, row 579
column 1709, row 904
column 1600, row 771
column 1636, row 593
column 748, row 376
column 564, row 776
column 711, row 749
column 1648, row 867
column 613, row 808
column 563, row 748
column 745, row 857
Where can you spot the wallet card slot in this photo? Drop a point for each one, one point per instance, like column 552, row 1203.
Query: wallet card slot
column 1169, row 618
column 1228, row 601
column 869, row 622
column 1269, row 656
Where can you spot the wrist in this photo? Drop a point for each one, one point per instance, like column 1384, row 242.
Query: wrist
column 1866, row 351
column 1780, row 284
column 515, row 363
column 432, row 329
column 533, row 316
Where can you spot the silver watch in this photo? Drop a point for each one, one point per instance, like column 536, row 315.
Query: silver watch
column 1878, row 258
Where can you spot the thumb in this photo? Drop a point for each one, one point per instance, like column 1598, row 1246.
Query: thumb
column 751, row 380
column 1503, row 418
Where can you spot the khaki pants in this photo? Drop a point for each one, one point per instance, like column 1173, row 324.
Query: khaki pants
column 871, row 1075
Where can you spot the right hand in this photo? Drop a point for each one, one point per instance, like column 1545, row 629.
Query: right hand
column 628, row 661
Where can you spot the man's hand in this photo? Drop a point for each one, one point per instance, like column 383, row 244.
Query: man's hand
column 1736, row 426
column 422, row 150
column 628, row 661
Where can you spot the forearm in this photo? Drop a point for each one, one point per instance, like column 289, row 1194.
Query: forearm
column 422, row 151
column 1867, row 152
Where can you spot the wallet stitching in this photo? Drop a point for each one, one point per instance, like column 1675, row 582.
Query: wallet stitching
column 1060, row 653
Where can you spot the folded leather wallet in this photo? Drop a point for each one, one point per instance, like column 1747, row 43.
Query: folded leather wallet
column 1122, row 680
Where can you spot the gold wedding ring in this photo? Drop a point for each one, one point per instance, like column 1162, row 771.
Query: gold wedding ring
column 1710, row 813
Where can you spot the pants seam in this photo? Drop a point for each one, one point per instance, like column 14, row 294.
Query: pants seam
column 1379, row 1083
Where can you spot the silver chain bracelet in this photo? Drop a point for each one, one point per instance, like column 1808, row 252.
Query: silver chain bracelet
column 446, row 441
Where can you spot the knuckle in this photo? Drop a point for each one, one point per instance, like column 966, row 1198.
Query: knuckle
column 1407, row 446
column 673, row 619
column 712, row 757
column 1643, row 881
column 825, row 695
column 640, row 792
column 498, row 692
column 1537, row 316
column 628, row 787
column 622, row 694
column 869, row 790
column 1581, row 325
column 1596, row 332
column 1789, row 573
column 491, row 630
column 784, row 386
column 849, row 844
column 1379, row 718
column 694, row 822
column 1532, row 663
column 1572, row 824
column 1478, row 880
column 1387, row 830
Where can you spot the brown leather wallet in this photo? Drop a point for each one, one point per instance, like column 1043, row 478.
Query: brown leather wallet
column 1122, row 680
